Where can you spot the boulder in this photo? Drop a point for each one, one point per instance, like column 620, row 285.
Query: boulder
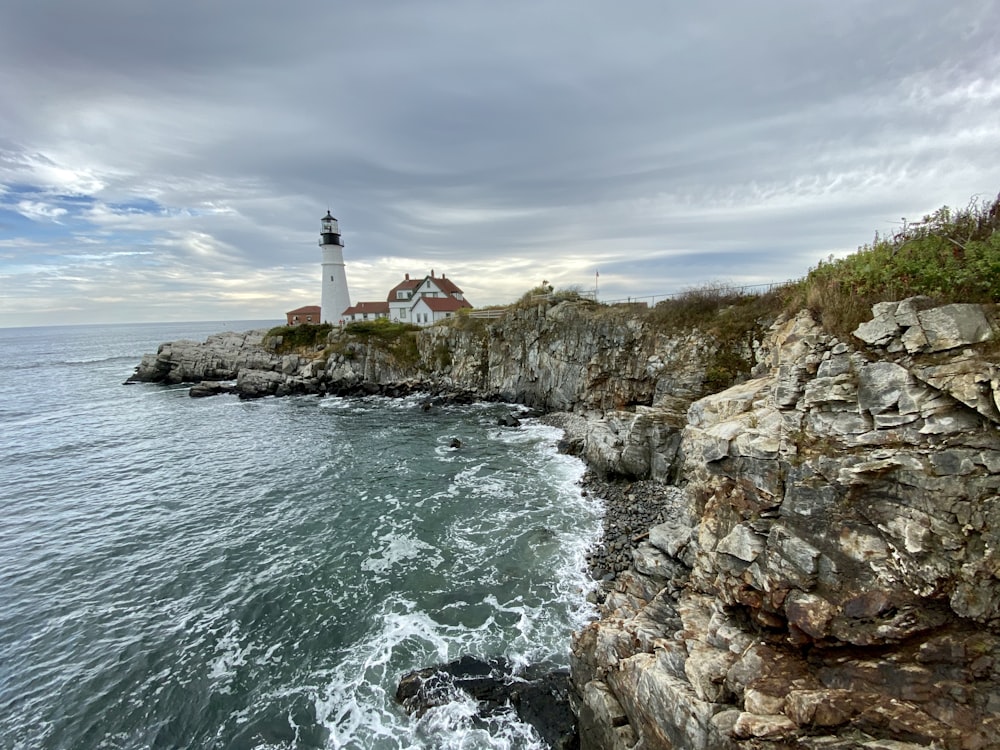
column 210, row 388
column 540, row 698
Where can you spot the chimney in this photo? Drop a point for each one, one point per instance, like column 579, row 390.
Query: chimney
column 432, row 273
column 407, row 277
column 443, row 276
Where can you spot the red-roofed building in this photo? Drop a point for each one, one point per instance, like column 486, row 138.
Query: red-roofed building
column 427, row 310
column 400, row 299
column 366, row 311
column 404, row 302
column 300, row 315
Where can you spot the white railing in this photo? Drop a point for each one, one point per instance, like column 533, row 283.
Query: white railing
column 493, row 312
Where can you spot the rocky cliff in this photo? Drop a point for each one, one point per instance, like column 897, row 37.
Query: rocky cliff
column 828, row 578
column 831, row 580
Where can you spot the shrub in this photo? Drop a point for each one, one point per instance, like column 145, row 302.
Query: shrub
column 724, row 311
column 731, row 316
column 306, row 336
column 950, row 256
column 381, row 329
column 399, row 339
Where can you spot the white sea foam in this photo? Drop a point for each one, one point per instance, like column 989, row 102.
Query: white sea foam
column 396, row 549
column 232, row 654
column 358, row 712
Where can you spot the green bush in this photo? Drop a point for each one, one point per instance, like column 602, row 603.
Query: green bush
column 381, row 329
column 399, row 339
column 733, row 317
column 304, row 336
column 724, row 311
column 950, row 256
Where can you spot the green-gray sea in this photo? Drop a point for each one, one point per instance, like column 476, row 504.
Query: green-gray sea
column 216, row 573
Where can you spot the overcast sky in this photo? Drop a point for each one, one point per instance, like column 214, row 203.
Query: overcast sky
column 168, row 161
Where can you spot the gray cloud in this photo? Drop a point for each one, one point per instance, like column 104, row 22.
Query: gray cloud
column 666, row 144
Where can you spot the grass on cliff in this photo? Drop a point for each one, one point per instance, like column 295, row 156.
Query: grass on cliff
column 952, row 255
column 399, row 339
column 304, row 337
column 380, row 329
column 733, row 317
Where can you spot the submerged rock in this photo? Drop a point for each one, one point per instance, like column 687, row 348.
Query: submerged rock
column 508, row 420
column 210, row 388
column 540, row 699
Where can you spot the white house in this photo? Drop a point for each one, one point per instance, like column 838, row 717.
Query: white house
column 432, row 299
column 365, row 311
column 400, row 299
column 420, row 301
column 428, row 310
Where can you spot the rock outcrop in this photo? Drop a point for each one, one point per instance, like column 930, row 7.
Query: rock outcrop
column 221, row 357
column 833, row 582
column 570, row 355
column 539, row 698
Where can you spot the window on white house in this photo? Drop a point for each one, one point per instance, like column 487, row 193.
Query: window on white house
column 402, row 314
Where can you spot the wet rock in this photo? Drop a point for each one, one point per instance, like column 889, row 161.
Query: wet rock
column 540, row 698
column 210, row 388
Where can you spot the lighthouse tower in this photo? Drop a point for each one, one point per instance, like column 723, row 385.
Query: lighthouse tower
column 335, row 297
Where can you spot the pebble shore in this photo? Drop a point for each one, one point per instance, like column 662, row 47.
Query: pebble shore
column 631, row 508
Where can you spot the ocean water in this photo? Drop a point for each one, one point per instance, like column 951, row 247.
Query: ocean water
column 211, row 573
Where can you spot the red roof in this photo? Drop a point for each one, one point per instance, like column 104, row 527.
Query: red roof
column 307, row 310
column 406, row 284
column 446, row 285
column 372, row 308
column 444, row 304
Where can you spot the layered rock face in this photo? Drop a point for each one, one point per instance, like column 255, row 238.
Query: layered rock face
column 567, row 356
column 221, row 357
column 835, row 581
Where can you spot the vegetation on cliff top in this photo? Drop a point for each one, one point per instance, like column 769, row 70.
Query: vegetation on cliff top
column 380, row 329
column 399, row 339
column 299, row 338
column 950, row 256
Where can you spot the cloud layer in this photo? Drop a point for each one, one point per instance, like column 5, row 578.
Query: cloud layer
column 171, row 161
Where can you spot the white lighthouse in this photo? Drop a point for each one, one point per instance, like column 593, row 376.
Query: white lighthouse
column 335, row 297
